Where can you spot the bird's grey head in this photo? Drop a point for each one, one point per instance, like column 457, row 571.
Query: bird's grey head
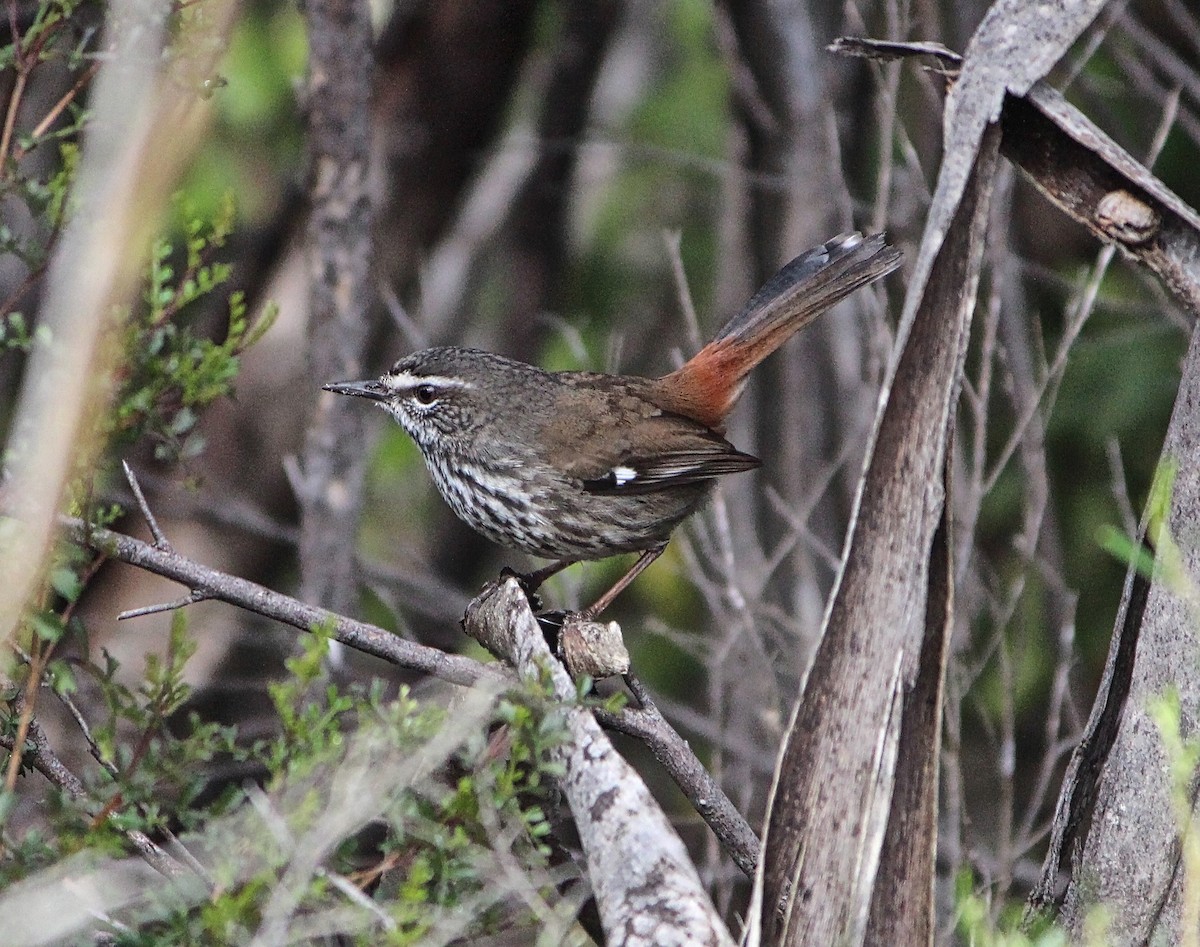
column 442, row 396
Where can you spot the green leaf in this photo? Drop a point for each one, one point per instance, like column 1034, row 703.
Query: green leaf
column 62, row 678
column 1119, row 545
column 47, row 626
column 66, row 583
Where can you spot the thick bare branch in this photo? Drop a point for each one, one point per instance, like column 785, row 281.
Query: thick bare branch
column 902, row 902
column 834, row 791
column 1121, row 834
column 1115, row 807
column 340, row 293
column 646, row 886
column 1092, row 179
column 834, row 788
column 1086, row 174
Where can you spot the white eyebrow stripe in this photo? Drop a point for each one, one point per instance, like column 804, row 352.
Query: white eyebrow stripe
column 406, row 381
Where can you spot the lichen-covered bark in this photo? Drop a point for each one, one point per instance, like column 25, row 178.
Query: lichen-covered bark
column 646, row 887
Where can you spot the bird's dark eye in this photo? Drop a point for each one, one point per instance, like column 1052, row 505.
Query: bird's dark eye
column 425, row 394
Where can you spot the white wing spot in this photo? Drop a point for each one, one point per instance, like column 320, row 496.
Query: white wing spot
column 622, row 475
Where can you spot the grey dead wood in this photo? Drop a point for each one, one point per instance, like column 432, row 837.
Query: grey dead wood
column 832, row 804
column 1084, row 173
column 1081, row 781
column 833, row 801
column 902, row 903
column 1127, row 854
column 329, row 481
column 648, row 725
column 263, row 601
column 1115, row 835
column 646, row 887
column 1099, row 184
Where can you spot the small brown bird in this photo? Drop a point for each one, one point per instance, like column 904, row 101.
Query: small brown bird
column 585, row 465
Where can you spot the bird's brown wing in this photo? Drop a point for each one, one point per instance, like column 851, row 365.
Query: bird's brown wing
column 646, row 475
column 605, row 434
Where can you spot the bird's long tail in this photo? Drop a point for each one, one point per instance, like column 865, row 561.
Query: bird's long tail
column 708, row 386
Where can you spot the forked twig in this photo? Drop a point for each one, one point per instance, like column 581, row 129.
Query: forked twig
column 196, row 595
column 160, row 539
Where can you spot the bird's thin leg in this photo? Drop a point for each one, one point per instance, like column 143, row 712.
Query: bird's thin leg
column 532, row 581
column 638, row 568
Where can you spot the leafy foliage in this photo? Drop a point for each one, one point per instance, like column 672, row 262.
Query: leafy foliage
column 383, row 793
column 171, row 372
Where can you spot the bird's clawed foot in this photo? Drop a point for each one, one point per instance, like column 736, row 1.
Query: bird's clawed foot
column 585, row 645
column 528, row 584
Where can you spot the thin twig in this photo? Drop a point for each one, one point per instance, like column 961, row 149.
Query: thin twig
column 355, row 895
column 697, row 783
column 75, row 712
column 42, row 758
column 180, row 849
column 57, row 109
column 1120, row 489
column 160, row 538
column 1049, row 388
column 683, row 291
column 416, row 335
column 1027, row 834
column 190, row 599
column 263, row 601
column 639, row 690
column 18, row 89
column 23, row 705
column 62, row 777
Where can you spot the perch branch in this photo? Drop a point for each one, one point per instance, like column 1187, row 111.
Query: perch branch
column 647, row 724
column 646, row 887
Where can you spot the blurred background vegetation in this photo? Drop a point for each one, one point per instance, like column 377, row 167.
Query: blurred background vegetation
column 535, row 164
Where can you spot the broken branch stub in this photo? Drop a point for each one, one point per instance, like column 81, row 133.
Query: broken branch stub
column 646, row 887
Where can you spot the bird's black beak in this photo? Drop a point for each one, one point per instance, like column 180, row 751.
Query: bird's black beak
column 374, row 390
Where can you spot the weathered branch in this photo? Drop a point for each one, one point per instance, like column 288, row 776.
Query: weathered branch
column 672, row 752
column 263, row 601
column 833, row 799
column 902, row 907
column 329, row 480
column 1115, row 806
column 1084, row 173
column 1099, row 184
column 1121, row 834
column 647, row 724
column 646, row 887
column 833, row 803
